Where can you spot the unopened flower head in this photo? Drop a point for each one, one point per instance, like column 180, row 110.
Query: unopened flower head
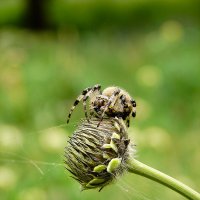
column 97, row 155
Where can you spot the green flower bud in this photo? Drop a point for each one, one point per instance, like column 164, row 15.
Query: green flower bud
column 97, row 155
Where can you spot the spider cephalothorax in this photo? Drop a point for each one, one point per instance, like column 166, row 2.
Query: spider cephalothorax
column 112, row 102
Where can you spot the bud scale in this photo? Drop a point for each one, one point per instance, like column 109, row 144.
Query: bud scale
column 97, row 155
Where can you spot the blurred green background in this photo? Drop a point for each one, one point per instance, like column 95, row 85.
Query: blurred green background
column 51, row 50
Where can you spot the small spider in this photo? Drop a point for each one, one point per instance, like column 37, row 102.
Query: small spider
column 112, row 102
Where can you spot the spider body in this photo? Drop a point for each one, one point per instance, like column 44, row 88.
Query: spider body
column 111, row 102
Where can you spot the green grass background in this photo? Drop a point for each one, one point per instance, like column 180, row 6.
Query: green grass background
column 41, row 74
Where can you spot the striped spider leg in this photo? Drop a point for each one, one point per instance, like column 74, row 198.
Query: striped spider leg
column 86, row 93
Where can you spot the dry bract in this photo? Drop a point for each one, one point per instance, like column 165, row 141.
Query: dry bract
column 97, row 155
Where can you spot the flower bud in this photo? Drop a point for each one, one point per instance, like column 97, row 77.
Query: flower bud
column 95, row 156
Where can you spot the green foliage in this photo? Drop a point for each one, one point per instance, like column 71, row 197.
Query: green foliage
column 11, row 12
column 98, row 14
column 92, row 15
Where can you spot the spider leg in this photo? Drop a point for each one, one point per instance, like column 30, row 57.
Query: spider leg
column 78, row 99
column 133, row 112
column 128, row 121
column 124, row 103
column 110, row 104
column 95, row 88
column 133, row 102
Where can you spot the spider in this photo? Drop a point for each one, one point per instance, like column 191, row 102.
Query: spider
column 112, row 102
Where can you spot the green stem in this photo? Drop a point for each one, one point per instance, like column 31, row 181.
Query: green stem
column 135, row 166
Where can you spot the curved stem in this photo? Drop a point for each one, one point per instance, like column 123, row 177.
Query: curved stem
column 136, row 167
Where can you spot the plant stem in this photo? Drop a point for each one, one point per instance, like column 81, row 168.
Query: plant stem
column 135, row 166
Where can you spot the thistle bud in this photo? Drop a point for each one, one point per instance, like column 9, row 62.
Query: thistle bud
column 95, row 156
